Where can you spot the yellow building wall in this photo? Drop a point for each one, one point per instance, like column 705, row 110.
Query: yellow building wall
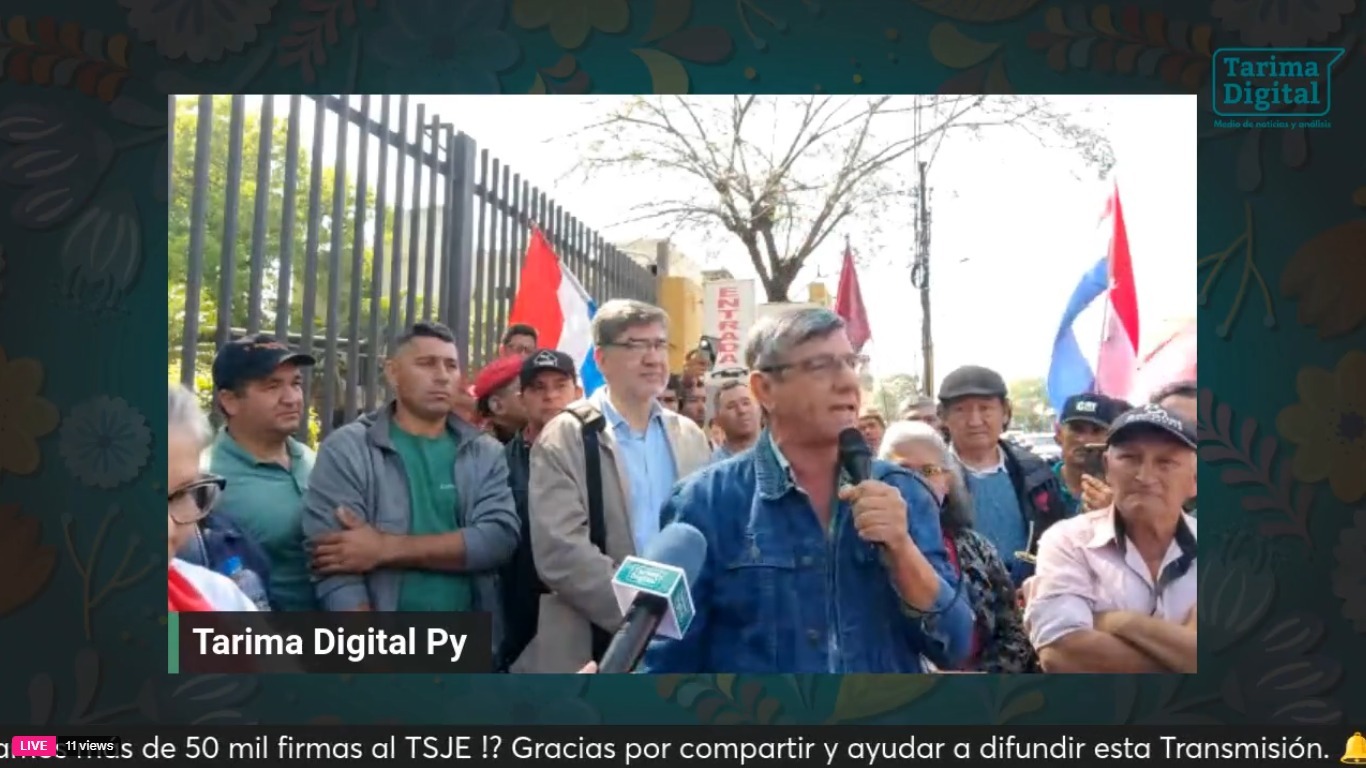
column 681, row 298
column 818, row 294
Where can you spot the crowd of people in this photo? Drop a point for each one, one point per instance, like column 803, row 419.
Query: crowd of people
column 519, row 495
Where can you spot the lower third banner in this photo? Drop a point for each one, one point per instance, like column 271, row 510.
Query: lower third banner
column 657, row 746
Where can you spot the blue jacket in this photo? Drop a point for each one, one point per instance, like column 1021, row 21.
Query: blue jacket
column 777, row 595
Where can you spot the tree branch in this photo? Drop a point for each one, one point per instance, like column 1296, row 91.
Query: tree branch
column 823, row 162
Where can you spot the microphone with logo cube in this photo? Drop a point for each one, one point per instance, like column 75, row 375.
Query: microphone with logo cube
column 654, row 593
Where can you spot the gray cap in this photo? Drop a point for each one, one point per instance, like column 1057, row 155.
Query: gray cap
column 972, row 381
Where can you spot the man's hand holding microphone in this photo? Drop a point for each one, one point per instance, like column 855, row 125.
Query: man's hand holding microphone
column 880, row 518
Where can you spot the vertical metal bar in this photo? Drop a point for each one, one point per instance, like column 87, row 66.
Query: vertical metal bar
column 400, row 195
column 285, row 281
column 448, row 286
column 596, row 248
column 462, row 249
column 567, row 254
column 502, row 298
column 574, row 258
column 519, row 235
column 547, row 217
column 259, row 219
column 334, row 272
column 618, row 285
column 600, row 270
column 315, row 215
column 552, row 223
column 491, row 330
column 481, row 251
column 227, row 258
column 194, row 273
column 357, row 262
column 372, row 342
column 576, row 246
column 419, row 213
column 609, row 265
column 429, row 215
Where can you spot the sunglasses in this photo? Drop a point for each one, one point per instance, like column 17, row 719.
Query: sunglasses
column 203, row 493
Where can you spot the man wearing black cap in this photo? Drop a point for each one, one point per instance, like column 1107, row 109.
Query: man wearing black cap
column 258, row 387
column 1084, row 421
column 549, row 382
column 1016, row 496
column 1116, row 588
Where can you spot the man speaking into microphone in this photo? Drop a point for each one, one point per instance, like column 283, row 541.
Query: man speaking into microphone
column 807, row 570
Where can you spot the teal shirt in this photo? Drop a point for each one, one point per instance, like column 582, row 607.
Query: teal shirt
column 434, row 501
column 267, row 500
column 1073, row 503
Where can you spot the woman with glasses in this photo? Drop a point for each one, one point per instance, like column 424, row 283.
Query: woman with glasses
column 1000, row 644
column 190, row 498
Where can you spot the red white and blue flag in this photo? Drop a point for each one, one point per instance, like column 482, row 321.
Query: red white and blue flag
column 1096, row 349
column 553, row 302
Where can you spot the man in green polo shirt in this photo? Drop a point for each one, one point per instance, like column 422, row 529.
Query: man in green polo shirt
column 258, row 385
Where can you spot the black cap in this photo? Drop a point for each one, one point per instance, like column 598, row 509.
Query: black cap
column 1151, row 418
column 972, row 381
column 253, row 357
column 1100, row 410
column 547, row 360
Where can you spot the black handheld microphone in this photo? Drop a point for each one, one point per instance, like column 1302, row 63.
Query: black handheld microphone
column 661, row 595
column 856, row 458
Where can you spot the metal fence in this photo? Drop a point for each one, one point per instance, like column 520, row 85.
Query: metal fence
column 427, row 226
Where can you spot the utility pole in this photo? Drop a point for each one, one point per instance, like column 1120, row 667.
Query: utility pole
column 920, row 278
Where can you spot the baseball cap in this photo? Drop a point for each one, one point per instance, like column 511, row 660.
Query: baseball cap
column 1153, row 418
column 253, row 357
column 1100, row 410
column 496, row 375
column 972, row 381
column 547, row 360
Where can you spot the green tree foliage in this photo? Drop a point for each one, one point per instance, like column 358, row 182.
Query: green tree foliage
column 1030, row 410
column 212, row 301
column 892, row 391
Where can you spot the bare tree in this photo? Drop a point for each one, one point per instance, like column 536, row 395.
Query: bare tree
column 782, row 173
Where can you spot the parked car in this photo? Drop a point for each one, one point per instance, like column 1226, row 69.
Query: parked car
column 1042, row 444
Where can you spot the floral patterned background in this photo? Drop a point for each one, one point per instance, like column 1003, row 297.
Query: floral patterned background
column 1281, row 258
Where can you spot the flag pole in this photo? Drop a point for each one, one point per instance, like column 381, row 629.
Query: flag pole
column 1105, row 309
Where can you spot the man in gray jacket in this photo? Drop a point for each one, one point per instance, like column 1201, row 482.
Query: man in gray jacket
column 409, row 509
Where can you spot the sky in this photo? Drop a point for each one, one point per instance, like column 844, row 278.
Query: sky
column 1014, row 222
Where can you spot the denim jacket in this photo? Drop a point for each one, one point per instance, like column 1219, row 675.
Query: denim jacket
column 777, row 595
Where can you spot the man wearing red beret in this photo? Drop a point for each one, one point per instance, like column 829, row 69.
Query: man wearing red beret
column 497, row 395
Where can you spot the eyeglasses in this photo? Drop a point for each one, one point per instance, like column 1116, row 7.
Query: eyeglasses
column 822, row 365
column 728, row 374
column 201, row 495
column 927, row 471
column 641, row 346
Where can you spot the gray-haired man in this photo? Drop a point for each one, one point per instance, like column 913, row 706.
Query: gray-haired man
column 806, row 572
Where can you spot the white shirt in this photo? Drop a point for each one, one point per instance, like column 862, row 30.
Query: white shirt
column 1085, row 569
column 219, row 591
